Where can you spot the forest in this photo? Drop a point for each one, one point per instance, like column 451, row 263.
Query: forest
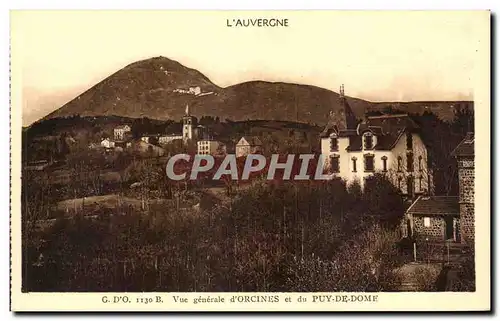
column 270, row 237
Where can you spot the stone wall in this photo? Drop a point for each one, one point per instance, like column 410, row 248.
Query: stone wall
column 467, row 222
column 434, row 232
column 466, row 179
column 466, row 197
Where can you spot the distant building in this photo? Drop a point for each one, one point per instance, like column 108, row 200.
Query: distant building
column 211, row 147
column 166, row 139
column 120, row 131
column 94, row 146
column 107, row 143
column 248, row 145
column 147, row 149
column 388, row 144
column 189, row 124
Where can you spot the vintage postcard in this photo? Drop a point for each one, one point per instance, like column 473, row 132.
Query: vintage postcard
column 250, row 161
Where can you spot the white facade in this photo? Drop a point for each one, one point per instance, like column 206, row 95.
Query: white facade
column 107, row 143
column 248, row 145
column 210, row 147
column 119, row 132
column 187, row 128
column 359, row 163
column 168, row 138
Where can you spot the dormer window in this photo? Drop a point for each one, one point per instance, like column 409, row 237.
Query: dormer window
column 368, row 141
column 334, row 143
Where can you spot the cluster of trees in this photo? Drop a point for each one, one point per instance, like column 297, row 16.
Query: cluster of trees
column 441, row 138
column 271, row 237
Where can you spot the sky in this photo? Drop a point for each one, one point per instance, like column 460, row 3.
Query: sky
column 378, row 56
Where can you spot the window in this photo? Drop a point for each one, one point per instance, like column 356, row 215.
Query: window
column 427, row 221
column 400, row 179
column 400, row 164
column 334, row 164
column 368, row 141
column 369, row 163
column 384, row 163
column 420, row 167
column 409, row 141
column 410, row 186
column 334, row 143
column 420, row 180
column 354, row 160
column 409, row 161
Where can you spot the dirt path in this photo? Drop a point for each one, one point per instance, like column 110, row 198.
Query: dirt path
column 417, row 276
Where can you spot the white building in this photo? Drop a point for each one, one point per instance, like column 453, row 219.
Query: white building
column 248, row 145
column 188, row 124
column 389, row 144
column 210, row 147
column 119, row 132
column 107, row 143
column 165, row 139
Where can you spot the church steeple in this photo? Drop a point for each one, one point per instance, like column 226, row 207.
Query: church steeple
column 189, row 123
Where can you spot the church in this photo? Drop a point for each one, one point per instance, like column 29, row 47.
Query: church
column 389, row 144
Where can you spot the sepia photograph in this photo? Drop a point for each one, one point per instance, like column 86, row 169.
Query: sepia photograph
column 249, row 155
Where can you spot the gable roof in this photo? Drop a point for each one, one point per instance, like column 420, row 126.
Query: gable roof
column 123, row 127
column 466, row 146
column 251, row 140
column 392, row 123
column 435, row 205
column 387, row 128
column 342, row 120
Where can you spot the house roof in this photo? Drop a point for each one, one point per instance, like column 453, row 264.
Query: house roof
column 466, row 146
column 252, row 140
column 340, row 121
column 122, row 127
column 392, row 123
column 435, row 205
column 387, row 128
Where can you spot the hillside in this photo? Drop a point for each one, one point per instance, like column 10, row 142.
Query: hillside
column 160, row 88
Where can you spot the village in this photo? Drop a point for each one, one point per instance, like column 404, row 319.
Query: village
column 125, row 172
column 390, row 144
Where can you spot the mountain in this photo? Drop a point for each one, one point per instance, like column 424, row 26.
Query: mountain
column 160, row 88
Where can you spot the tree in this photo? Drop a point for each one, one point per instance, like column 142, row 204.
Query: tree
column 388, row 212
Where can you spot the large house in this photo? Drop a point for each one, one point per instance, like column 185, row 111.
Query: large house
column 209, row 146
column 248, row 145
column 107, row 143
column 120, row 131
column 447, row 218
column 388, row 144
